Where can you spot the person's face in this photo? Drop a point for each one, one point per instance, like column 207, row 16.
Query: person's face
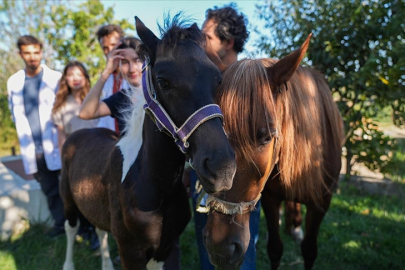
column 131, row 66
column 32, row 55
column 75, row 78
column 107, row 43
column 218, row 46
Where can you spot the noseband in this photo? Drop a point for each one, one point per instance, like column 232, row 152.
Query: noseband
column 163, row 121
column 230, row 208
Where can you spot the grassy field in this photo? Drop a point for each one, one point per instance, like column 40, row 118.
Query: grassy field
column 396, row 167
column 359, row 232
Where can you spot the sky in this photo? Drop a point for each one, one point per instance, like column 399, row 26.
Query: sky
column 151, row 12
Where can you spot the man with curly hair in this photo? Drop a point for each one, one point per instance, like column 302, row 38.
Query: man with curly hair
column 225, row 29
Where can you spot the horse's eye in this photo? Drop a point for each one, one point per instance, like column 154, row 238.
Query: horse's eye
column 220, row 82
column 163, row 84
column 263, row 137
column 265, row 140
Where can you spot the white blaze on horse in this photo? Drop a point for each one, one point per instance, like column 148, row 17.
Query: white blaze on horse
column 132, row 188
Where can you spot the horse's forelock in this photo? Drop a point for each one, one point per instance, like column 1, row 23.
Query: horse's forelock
column 178, row 28
column 246, row 95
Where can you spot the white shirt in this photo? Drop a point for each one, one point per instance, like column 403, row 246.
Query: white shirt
column 47, row 91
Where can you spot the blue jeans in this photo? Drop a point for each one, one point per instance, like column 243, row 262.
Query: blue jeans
column 200, row 219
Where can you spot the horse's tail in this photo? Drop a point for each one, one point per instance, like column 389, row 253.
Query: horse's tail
column 70, row 208
column 68, row 150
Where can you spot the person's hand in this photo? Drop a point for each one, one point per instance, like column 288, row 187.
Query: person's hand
column 113, row 59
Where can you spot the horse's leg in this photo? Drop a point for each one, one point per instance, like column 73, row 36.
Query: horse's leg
column 106, row 262
column 313, row 219
column 131, row 256
column 293, row 220
column 71, row 212
column 70, row 236
column 271, row 208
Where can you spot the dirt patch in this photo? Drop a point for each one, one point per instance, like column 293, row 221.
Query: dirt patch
column 14, row 163
column 373, row 182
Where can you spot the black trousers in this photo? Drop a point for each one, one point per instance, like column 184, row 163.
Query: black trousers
column 49, row 181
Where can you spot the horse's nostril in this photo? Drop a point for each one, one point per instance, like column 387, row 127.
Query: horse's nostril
column 237, row 253
column 215, row 171
column 207, row 166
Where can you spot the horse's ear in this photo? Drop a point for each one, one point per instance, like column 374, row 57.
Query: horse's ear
column 194, row 26
column 148, row 38
column 283, row 70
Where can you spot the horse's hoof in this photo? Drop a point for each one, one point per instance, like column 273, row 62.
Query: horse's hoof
column 68, row 266
column 107, row 265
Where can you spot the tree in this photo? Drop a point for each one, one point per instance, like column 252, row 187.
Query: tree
column 67, row 31
column 74, row 33
column 360, row 47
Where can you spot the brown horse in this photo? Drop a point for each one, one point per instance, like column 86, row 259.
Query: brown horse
column 132, row 187
column 286, row 131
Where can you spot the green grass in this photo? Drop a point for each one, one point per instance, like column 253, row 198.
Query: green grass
column 358, row 232
column 396, row 169
column 31, row 250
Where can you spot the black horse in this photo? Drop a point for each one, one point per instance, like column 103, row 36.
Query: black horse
column 133, row 188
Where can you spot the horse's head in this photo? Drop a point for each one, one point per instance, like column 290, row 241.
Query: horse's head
column 249, row 99
column 185, row 82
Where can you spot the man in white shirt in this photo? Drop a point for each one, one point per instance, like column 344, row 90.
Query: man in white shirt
column 31, row 94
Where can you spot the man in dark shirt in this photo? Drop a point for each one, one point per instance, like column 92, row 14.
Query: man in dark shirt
column 31, row 93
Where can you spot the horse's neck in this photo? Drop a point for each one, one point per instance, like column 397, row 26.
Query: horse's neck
column 156, row 170
column 162, row 158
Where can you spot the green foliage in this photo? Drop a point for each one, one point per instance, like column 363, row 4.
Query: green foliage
column 360, row 47
column 395, row 169
column 74, row 33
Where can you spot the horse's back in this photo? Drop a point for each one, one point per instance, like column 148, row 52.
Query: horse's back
column 99, row 138
column 89, row 146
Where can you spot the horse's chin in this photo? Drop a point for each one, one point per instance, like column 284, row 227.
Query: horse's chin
column 228, row 267
column 225, row 264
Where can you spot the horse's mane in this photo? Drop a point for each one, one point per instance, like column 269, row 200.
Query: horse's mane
column 178, row 28
column 134, row 116
column 302, row 115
